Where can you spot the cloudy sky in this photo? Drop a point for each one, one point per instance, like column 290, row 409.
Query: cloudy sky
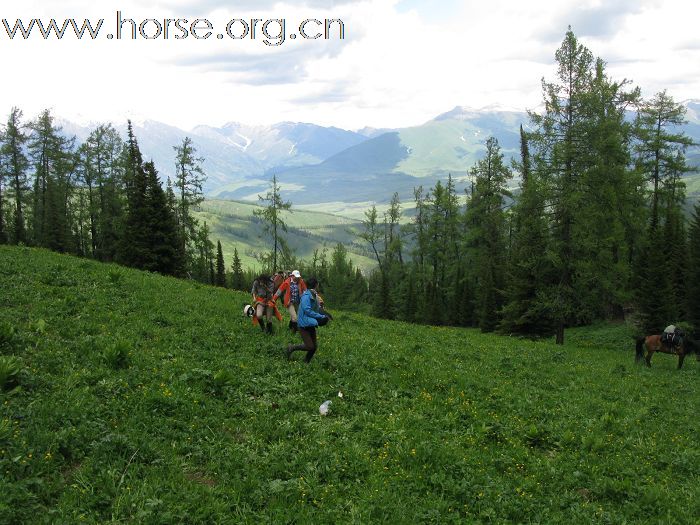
column 401, row 62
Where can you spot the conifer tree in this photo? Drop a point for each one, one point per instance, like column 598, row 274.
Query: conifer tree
column 220, row 266
column 660, row 150
column 166, row 255
column 14, row 165
column 692, row 291
column 380, row 294
column 238, row 281
column 100, row 173
column 271, row 215
column 660, row 147
column 204, row 260
column 151, row 240
column 526, row 310
column 134, row 246
column 189, row 181
column 561, row 148
column 54, row 167
column 485, row 214
column 610, row 207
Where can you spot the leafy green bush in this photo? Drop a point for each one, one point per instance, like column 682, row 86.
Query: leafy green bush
column 5, row 430
column 115, row 276
column 8, row 338
column 118, row 355
column 221, row 380
column 9, row 370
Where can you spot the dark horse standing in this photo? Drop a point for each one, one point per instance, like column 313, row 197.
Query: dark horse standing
column 646, row 346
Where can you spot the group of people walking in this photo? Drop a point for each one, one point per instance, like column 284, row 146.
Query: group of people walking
column 302, row 301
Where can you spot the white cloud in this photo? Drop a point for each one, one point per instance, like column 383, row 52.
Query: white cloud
column 402, row 62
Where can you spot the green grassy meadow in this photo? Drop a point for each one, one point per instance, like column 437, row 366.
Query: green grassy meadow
column 127, row 397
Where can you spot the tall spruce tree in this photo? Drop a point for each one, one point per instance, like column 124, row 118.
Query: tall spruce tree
column 660, row 147
column 220, row 266
column 527, row 310
column 237, row 277
column 189, row 181
column 485, row 214
column 150, row 240
column 54, row 169
column 166, row 255
column 4, row 237
column 14, row 165
column 100, row 175
column 607, row 218
column 561, row 148
column 273, row 222
column 660, row 157
column 692, row 291
column 134, row 247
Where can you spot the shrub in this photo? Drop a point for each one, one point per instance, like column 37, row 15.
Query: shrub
column 8, row 337
column 221, row 380
column 9, row 370
column 117, row 355
column 115, row 276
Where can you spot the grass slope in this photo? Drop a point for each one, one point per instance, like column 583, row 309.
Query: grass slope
column 144, row 399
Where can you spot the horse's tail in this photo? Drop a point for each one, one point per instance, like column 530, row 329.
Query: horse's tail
column 640, row 349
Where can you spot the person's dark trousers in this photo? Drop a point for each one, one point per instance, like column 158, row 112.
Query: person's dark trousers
column 308, row 335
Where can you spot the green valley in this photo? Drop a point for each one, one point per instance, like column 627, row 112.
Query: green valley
column 233, row 223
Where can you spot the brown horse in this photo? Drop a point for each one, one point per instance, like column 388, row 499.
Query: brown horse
column 646, row 346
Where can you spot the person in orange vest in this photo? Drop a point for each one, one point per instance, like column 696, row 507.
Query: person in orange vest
column 292, row 287
column 263, row 303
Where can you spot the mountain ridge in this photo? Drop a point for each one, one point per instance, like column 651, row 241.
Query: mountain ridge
column 317, row 164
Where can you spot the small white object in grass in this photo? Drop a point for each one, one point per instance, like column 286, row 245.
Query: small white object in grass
column 340, row 394
column 325, row 408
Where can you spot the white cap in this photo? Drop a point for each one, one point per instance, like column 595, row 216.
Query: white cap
column 296, row 274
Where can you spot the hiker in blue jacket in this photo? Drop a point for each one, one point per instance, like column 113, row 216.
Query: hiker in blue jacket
column 308, row 318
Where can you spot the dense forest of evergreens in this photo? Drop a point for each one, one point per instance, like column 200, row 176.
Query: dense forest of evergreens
column 596, row 230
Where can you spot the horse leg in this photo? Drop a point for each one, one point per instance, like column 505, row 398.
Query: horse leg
column 681, row 357
column 650, row 352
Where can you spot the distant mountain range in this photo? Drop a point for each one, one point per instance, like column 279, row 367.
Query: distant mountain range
column 317, row 164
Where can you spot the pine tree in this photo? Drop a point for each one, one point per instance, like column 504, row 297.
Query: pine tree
column 660, row 150
column 220, row 279
column 271, row 215
column 134, row 247
column 562, row 148
column 485, row 213
column 607, row 219
column 100, row 173
column 189, row 182
column 527, row 310
column 692, row 292
column 166, row 255
column 4, row 237
column 238, row 281
column 204, row 259
column 380, row 293
column 13, row 171
column 54, row 166
column 658, row 146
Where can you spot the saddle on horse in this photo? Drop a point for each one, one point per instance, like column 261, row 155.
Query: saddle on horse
column 672, row 338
